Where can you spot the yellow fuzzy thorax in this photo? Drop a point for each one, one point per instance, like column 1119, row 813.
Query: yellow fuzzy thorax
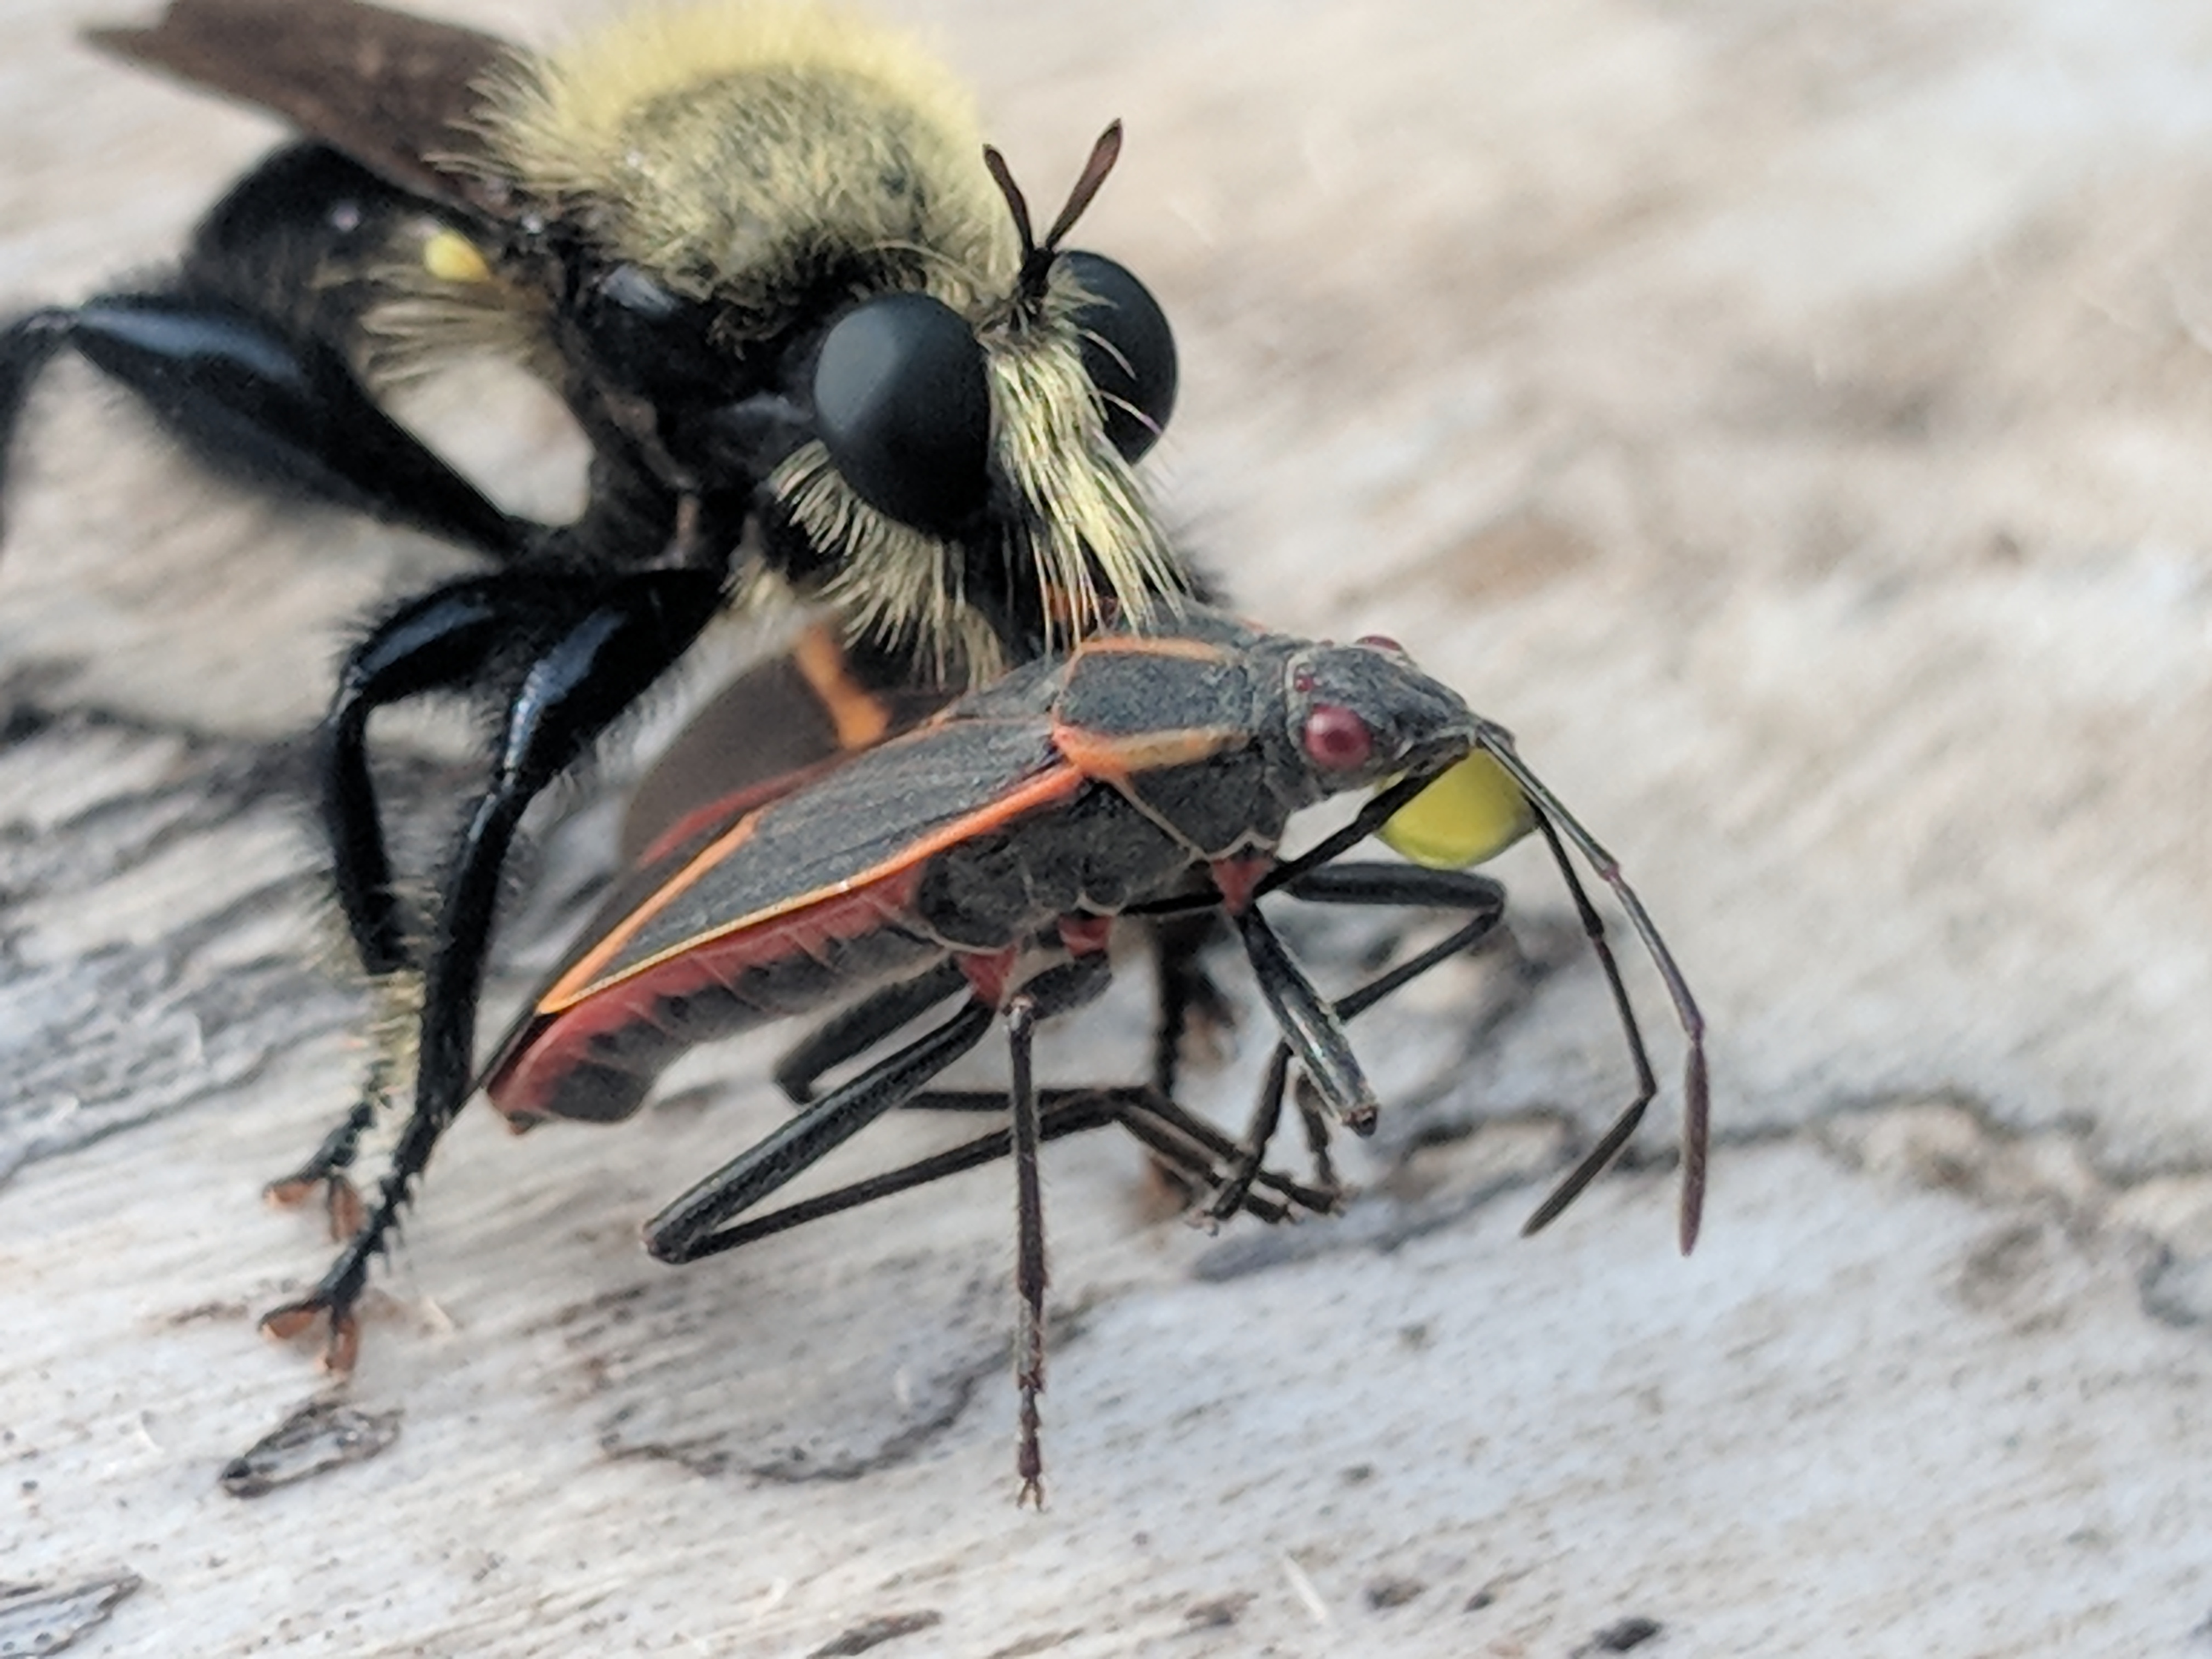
column 743, row 150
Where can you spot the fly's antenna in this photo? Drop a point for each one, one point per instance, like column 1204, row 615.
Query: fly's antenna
column 1036, row 257
column 1555, row 821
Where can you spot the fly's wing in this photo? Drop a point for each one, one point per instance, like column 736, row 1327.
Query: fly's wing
column 774, row 727
column 395, row 93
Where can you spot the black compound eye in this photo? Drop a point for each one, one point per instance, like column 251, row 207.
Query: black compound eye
column 648, row 340
column 902, row 404
column 1128, row 351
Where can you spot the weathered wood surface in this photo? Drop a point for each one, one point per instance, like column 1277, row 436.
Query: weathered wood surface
column 1792, row 419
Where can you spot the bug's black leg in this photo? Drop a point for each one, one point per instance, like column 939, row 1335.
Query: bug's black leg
column 1560, row 828
column 863, row 1026
column 1191, row 1143
column 1259, row 1135
column 1189, row 1002
column 1062, row 1112
column 1190, row 1007
column 1191, row 1175
column 690, row 1228
column 680, row 1234
column 1186, row 989
column 638, row 626
column 1055, row 991
column 1407, row 884
column 1312, row 1028
column 1029, row 1276
column 1315, row 1116
column 1371, row 884
column 1193, row 1147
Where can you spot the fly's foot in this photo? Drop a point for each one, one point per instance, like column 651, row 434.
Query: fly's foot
column 333, row 1300
column 328, row 1166
column 341, row 1201
column 294, row 1319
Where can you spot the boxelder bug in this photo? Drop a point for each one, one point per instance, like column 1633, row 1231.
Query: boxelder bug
column 984, row 857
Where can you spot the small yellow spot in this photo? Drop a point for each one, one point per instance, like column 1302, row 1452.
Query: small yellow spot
column 1473, row 812
column 452, row 258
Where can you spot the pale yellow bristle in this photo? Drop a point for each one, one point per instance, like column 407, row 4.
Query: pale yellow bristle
column 1095, row 537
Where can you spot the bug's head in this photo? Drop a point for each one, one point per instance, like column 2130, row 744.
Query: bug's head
column 1362, row 714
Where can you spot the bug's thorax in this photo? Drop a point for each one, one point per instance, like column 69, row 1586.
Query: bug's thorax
column 1168, row 723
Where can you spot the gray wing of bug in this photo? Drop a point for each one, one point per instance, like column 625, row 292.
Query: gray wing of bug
column 863, row 816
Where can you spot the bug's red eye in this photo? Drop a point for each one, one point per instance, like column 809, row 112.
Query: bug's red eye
column 1381, row 643
column 1337, row 739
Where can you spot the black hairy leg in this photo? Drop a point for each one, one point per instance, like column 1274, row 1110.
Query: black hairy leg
column 582, row 678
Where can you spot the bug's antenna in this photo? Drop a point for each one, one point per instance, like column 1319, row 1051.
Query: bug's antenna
column 1554, row 819
column 1036, row 257
column 1593, row 1162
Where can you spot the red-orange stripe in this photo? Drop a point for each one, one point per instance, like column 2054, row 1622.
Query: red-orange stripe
column 535, row 1069
column 1145, row 645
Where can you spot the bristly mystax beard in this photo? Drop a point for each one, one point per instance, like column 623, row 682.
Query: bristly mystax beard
column 1094, row 536
column 894, row 584
column 1084, row 524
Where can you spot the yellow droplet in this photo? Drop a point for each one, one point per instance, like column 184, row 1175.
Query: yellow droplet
column 452, row 258
column 1472, row 812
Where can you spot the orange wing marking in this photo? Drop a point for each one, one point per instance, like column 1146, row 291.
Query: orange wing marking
column 1112, row 760
column 1145, row 645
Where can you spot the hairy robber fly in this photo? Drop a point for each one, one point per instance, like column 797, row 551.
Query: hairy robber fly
column 981, row 859
column 794, row 302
